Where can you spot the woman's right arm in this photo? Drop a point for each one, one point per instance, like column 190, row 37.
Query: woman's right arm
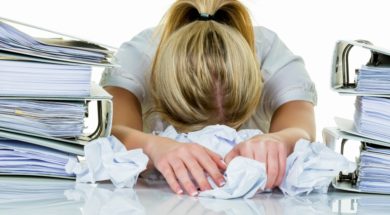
column 127, row 118
column 176, row 161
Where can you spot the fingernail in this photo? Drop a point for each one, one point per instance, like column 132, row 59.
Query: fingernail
column 180, row 192
column 194, row 193
column 221, row 183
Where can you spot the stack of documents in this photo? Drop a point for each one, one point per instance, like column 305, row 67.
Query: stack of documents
column 45, row 95
column 26, row 78
column 372, row 120
column 50, row 118
column 373, row 80
column 14, row 41
column 372, row 117
column 370, row 127
column 374, row 171
column 18, row 157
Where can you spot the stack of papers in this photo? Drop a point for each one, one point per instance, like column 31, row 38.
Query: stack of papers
column 47, row 118
column 45, row 92
column 374, row 171
column 372, row 117
column 14, row 41
column 24, row 78
column 22, row 158
column 373, row 80
column 371, row 121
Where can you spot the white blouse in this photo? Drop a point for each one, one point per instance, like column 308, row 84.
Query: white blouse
column 284, row 73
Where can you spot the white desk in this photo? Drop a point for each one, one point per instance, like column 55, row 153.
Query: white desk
column 30, row 196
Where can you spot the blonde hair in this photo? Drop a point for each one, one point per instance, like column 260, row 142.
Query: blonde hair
column 206, row 72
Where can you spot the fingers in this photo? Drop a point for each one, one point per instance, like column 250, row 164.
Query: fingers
column 217, row 159
column 198, row 173
column 272, row 168
column 170, row 177
column 191, row 160
column 282, row 166
column 267, row 150
column 209, row 164
column 261, row 153
column 244, row 149
column 182, row 175
column 232, row 154
column 247, row 150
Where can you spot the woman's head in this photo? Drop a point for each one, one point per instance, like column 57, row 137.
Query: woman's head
column 206, row 72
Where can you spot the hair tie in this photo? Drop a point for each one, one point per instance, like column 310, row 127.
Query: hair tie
column 205, row 17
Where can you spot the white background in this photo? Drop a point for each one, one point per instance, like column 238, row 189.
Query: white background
column 309, row 28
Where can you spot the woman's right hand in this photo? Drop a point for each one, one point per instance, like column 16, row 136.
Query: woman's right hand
column 177, row 162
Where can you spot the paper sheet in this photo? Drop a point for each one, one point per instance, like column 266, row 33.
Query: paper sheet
column 311, row 167
column 22, row 158
column 106, row 158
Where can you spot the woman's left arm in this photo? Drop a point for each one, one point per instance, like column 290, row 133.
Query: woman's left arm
column 290, row 122
column 293, row 121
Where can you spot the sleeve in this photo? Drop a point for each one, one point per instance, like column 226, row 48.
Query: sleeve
column 134, row 60
column 285, row 75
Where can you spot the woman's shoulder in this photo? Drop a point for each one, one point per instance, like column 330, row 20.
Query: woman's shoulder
column 264, row 36
column 143, row 35
column 264, row 39
column 263, row 33
column 146, row 33
column 146, row 42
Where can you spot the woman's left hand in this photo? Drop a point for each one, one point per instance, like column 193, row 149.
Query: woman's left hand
column 266, row 148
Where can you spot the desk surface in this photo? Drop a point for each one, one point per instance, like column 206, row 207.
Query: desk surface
column 45, row 196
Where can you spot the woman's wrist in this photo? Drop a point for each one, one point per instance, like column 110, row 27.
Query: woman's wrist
column 134, row 139
column 290, row 136
column 149, row 142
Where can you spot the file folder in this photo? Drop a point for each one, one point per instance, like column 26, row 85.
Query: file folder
column 75, row 147
column 343, row 79
column 42, row 149
column 369, row 84
column 99, row 98
column 99, row 54
column 22, row 158
column 349, row 181
column 46, row 142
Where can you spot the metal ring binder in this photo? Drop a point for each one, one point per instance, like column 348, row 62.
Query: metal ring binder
column 340, row 77
column 349, row 177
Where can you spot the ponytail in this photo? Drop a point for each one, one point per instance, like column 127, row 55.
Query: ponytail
column 229, row 12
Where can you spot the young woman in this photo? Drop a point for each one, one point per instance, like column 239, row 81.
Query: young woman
column 206, row 64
